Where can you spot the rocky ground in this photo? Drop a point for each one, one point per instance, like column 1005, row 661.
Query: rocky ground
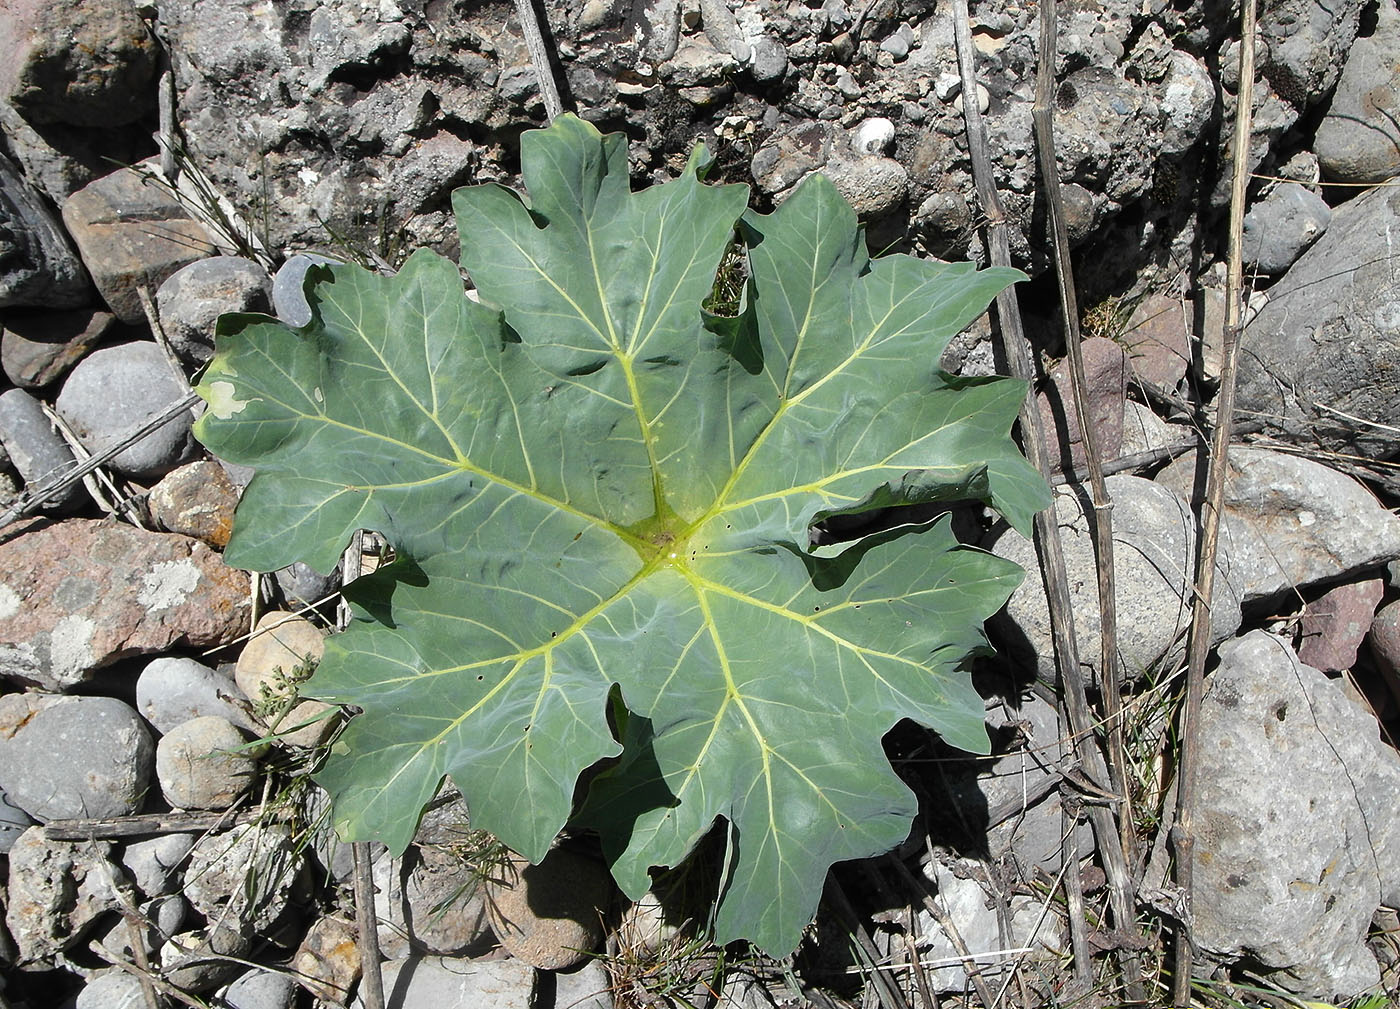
column 150, row 691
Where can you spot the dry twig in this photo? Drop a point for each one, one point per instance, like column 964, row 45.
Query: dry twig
column 1198, row 641
column 1018, row 357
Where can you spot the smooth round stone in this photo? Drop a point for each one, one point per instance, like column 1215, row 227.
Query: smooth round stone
column 260, row 989
column 203, row 764
column 115, row 391
column 172, row 690
column 154, row 864
column 549, row 914
column 193, row 297
column 113, row 990
column 289, row 288
column 73, row 756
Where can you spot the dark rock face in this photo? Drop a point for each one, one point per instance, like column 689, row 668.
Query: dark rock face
column 81, row 63
column 40, row 268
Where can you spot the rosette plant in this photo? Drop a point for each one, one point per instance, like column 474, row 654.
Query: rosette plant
column 600, row 500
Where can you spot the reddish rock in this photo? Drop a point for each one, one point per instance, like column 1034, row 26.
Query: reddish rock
column 1158, row 340
column 79, row 595
column 197, row 500
column 132, row 233
column 1334, row 625
column 1106, row 375
column 39, row 347
column 1384, row 640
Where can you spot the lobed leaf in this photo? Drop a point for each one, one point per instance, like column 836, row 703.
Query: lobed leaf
column 596, row 490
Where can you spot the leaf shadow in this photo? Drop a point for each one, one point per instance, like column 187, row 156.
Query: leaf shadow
column 373, row 594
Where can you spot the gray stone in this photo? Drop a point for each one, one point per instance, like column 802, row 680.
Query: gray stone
column 39, row 347
column 1153, row 555
column 59, row 160
column 589, row 987
column 430, row 901
column 1304, row 44
column 168, row 913
column 13, row 822
column 1290, row 867
column 204, row 764
column 57, row 889
column 1321, row 361
column 193, row 297
column 172, row 689
column 132, row 233
column 1187, row 102
column 1278, row 228
column 873, row 185
column 86, row 62
column 1289, row 521
column 73, row 756
column 260, row 989
column 197, row 961
column 788, row 155
column 446, row 983
column 41, row 268
column 250, row 874
column 1358, row 139
column 967, row 904
column 115, row 391
column 154, row 864
column 768, row 61
column 303, row 585
column 898, row 44
column 550, row 914
column 36, row 449
column 1144, row 431
column 289, row 288
column 114, row 989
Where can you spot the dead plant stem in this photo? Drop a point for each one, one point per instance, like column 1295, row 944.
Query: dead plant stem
column 1016, row 350
column 1198, row 639
column 1110, row 680
column 539, row 58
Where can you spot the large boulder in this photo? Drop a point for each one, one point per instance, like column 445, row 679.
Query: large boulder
column 1321, row 361
column 1289, row 521
column 1297, row 841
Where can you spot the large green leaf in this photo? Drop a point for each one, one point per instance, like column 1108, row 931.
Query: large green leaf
column 595, row 490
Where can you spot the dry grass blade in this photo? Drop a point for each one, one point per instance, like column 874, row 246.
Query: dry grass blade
column 32, row 498
column 888, row 994
column 1198, row 641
